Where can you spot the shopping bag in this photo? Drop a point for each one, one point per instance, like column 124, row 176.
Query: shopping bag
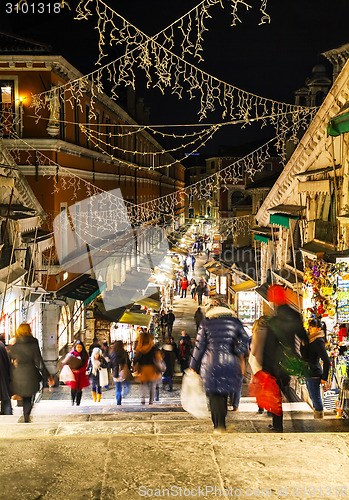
column 66, row 374
column 330, row 399
column 266, row 391
column 193, row 397
column 103, row 377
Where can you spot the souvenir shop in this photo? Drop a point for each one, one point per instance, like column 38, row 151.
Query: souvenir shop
column 326, row 295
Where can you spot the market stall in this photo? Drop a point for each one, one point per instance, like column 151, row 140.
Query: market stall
column 326, row 296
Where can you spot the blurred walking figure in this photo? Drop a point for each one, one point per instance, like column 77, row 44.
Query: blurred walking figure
column 184, row 287
column 198, row 317
column 121, row 367
column 94, row 344
column 95, row 364
column 170, row 320
column 184, row 349
column 81, row 380
column 193, row 260
column 5, row 377
column 28, row 368
column 200, row 289
column 218, row 356
column 163, row 324
column 147, row 364
column 313, row 352
column 192, row 285
column 169, row 357
column 259, row 333
column 280, row 351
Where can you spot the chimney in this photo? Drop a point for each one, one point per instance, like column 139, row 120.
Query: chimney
column 131, row 101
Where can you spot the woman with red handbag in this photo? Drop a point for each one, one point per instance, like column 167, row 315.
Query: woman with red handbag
column 77, row 359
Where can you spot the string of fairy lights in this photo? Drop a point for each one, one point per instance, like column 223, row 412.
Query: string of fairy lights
column 169, row 70
column 235, row 226
column 107, row 212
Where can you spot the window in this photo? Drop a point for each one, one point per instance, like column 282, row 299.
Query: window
column 107, row 137
column 62, row 116
column 76, row 122
column 191, row 213
column 319, row 97
column 87, row 109
column 7, row 101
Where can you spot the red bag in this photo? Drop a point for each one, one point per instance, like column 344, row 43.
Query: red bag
column 266, row 391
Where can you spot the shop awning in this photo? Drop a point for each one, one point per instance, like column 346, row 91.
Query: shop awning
column 316, row 249
column 261, row 238
column 15, row 272
column 210, row 263
column 286, row 209
column 244, row 287
column 83, row 288
column 339, row 124
column 136, row 319
column 149, row 302
column 282, row 220
column 323, row 186
column 27, row 223
column 222, row 271
column 179, row 250
column 263, row 291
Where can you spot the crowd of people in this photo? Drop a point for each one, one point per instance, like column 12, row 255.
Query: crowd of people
column 279, row 347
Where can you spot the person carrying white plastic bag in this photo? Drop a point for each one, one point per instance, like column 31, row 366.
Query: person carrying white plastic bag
column 193, row 397
column 218, row 356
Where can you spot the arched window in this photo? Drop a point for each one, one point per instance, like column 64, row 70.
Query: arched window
column 319, row 97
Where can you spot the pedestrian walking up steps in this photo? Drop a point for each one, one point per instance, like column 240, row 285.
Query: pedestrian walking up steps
column 58, row 418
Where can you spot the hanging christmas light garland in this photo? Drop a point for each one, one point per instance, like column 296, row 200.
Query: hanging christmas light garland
column 174, row 71
column 235, row 226
column 157, row 210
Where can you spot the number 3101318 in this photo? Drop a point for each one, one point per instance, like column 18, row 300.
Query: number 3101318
column 32, row 8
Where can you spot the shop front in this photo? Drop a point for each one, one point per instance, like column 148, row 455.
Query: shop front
column 326, row 296
column 247, row 302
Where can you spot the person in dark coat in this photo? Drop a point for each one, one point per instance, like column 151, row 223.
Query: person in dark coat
column 95, row 364
column 198, row 317
column 200, row 289
column 5, row 377
column 313, row 352
column 170, row 320
column 193, row 260
column 28, row 368
column 280, row 344
column 94, row 344
column 121, row 368
column 163, row 324
column 169, row 358
column 218, row 356
column 81, row 380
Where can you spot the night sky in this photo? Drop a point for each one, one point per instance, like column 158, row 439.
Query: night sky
column 272, row 60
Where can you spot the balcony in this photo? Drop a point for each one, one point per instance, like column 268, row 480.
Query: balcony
column 324, row 231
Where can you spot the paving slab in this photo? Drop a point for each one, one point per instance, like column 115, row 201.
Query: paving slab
column 145, row 467
column 71, row 469
column 105, row 428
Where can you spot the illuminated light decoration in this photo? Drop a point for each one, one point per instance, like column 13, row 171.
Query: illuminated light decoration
column 235, row 226
column 190, row 26
column 158, row 211
column 170, row 70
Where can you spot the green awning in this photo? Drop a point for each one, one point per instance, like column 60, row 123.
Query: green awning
column 282, row 220
column 259, row 237
column 338, row 125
